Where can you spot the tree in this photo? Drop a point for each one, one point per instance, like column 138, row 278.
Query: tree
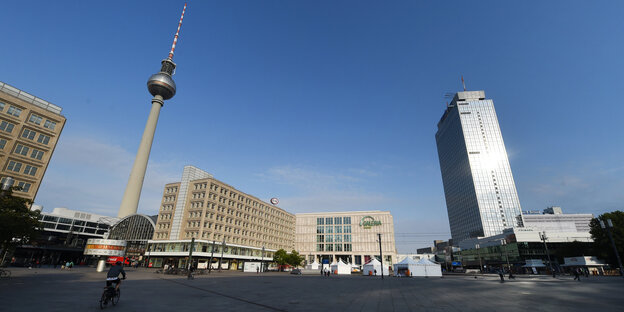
column 280, row 257
column 295, row 259
column 602, row 244
column 18, row 224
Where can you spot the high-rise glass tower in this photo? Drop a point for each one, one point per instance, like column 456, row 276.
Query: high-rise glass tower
column 481, row 196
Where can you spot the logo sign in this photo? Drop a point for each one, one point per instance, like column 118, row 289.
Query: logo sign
column 105, row 247
column 368, row 221
column 274, row 201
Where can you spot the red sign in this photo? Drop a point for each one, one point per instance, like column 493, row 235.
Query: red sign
column 113, row 260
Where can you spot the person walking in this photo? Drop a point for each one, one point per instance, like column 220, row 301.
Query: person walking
column 576, row 275
column 502, row 277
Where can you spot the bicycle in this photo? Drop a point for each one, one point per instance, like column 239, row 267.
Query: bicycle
column 112, row 294
column 5, row 273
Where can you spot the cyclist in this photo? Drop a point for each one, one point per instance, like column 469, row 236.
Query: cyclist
column 113, row 275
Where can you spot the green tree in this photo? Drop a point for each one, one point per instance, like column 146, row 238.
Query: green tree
column 295, row 259
column 280, row 257
column 18, row 224
column 602, row 244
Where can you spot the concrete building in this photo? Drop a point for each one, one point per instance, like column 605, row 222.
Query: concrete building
column 554, row 220
column 347, row 236
column 480, row 192
column 29, row 131
column 221, row 219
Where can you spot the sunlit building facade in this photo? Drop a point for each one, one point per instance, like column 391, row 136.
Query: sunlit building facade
column 481, row 196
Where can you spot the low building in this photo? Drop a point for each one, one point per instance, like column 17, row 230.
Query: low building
column 136, row 230
column 228, row 225
column 554, row 220
column 352, row 236
column 62, row 237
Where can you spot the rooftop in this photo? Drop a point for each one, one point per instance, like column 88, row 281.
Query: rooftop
column 29, row 98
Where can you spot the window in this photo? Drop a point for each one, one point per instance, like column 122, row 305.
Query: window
column 25, row 187
column 337, row 220
column 14, row 111
column 2, row 106
column 347, row 247
column 14, row 166
column 329, row 247
column 319, row 247
column 35, row 119
column 43, row 139
column 347, row 229
column 6, row 126
column 28, row 134
column 2, row 143
column 328, row 221
column 338, row 247
column 338, row 229
column 347, row 238
column 319, row 221
column 36, row 154
column 49, row 124
column 21, row 150
column 320, row 229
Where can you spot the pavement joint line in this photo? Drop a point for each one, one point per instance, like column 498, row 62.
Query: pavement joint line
column 225, row 295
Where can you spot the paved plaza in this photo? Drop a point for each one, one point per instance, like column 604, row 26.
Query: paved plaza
column 48, row 289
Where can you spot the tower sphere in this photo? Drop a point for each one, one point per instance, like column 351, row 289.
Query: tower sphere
column 161, row 84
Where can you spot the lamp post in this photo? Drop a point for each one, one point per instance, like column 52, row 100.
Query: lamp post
column 222, row 249
column 380, row 255
column 504, row 243
column 544, row 238
column 607, row 227
column 211, row 256
column 6, row 186
column 262, row 261
column 477, row 246
column 190, row 264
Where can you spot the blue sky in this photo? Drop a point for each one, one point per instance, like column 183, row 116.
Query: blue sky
column 327, row 105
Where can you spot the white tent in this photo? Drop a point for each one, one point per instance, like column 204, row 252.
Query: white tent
column 340, row 268
column 374, row 266
column 407, row 267
column 426, row 267
column 313, row 266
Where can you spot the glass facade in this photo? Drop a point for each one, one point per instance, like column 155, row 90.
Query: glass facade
column 481, row 196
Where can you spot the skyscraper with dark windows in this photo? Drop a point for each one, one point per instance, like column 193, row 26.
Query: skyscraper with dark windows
column 481, row 196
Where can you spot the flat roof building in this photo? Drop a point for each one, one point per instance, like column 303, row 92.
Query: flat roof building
column 479, row 188
column 29, row 131
column 220, row 218
column 348, row 236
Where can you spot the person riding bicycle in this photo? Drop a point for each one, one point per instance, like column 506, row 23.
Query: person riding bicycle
column 113, row 275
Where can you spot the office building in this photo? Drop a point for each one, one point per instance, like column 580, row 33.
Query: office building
column 480, row 192
column 351, row 236
column 29, row 131
column 554, row 220
column 222, row 219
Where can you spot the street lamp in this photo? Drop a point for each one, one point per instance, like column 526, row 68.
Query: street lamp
column 504, row 243
column 262, row 261
column 544, row 238
column 477, row 246
column 607, row 227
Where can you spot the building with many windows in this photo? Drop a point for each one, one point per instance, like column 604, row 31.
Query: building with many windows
column 29, row 130
column 221, row 219
column 350, row 236
column 481, row 196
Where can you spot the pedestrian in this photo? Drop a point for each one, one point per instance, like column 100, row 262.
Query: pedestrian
column 576, row 275
column 586, row 272
column 502, row 277
column 511, row 276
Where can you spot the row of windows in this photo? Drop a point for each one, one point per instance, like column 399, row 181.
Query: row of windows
column 333, row 238
column 30, row 134
column 334, row 220
column 24, row 186
column 334, row 247
column 23, row 150
column 17, row 167
column 173, row 189
column 36, row 119
column 333, row 229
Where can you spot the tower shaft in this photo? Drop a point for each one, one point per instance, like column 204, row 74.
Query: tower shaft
column 130, row 200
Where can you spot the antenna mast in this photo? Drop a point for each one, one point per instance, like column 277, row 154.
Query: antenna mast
column 175, row 38
column 462, row 78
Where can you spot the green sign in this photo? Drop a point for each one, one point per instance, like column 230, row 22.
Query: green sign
column 368, row 221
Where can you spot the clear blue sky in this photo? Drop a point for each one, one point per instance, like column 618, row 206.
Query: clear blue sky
column 327, row 105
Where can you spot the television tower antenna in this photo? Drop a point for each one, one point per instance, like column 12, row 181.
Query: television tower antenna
column 162, row 87
column 463, row 82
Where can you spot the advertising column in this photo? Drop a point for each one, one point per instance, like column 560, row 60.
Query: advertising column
column 114, row 250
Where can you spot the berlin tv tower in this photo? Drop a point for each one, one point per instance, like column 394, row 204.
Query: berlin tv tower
column 162, row 87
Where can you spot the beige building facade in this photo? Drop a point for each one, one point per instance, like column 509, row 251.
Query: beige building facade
column 351, row 236
column 29, row 131
column 221, row 219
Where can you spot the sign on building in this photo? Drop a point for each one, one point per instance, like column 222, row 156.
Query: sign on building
column 368, row 221
column 105, row 247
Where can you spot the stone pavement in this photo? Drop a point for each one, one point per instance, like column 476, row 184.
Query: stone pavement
column 50, row 289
